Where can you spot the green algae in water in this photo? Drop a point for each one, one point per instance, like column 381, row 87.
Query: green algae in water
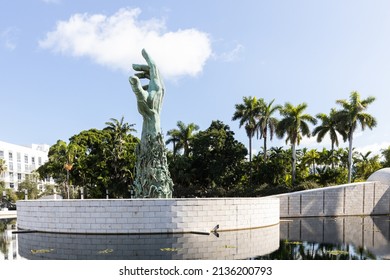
column 106, row 251
column 41, row 251
column 337, row 252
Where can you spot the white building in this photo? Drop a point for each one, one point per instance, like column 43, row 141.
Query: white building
column 21, row 161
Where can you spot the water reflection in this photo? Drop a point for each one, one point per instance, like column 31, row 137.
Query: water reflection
column 8, row 241
column 304, row 238
column 226, row 245
column 334, row 238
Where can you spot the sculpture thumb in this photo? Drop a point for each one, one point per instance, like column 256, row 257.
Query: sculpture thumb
column 136, row 86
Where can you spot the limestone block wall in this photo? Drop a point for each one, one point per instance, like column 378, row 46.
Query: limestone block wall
column 368, row 198
column 147, row 215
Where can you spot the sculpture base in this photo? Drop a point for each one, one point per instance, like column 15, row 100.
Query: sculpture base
column 152, row 174
column 126, row 216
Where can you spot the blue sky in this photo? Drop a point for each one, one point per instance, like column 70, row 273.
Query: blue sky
column 64, row 65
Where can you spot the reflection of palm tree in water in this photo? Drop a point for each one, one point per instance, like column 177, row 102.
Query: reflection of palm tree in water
column 315, row 251
column 4, row 242
column 371, row 241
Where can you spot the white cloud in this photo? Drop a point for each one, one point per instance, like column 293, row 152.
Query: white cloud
column 116, row 41
column 375, row 148
column 232, row 55
column 8, row 38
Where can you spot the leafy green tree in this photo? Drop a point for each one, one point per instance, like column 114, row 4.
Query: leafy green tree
column 294, row 125
column 104, row 163
column 311, row 157
column 182, row 137
column 266, row 122
column 215, row 166
column 350, row 116
column 217, row 160
column 55, row 166
column 331, row 176
column 120, row 155
column 274, row 171
column 97, row 160
column 366, row 165
column 30, row 184
column 330, row 125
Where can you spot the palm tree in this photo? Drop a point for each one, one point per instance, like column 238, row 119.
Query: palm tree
column 247, row 113
column 350, row 116
column 3, row 167
column 366, row 165
column 120, row 130
column 181, row 138
column 330, row 124
column 174, row 138
column 267, row 123
column 294, row 125
column 311, row 157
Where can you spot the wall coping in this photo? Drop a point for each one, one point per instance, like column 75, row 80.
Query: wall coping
column 328, row 188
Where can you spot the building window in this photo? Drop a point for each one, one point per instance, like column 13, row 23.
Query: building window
column 19, row 177
column 10, row 156
column 11, row 185
column 33, row 160
column 19, row 166
column 18, row 157
column 1, row 154
column 26, row 159
column 26, row 169
column 11, row 176
column 39, row 161
column 11, row 166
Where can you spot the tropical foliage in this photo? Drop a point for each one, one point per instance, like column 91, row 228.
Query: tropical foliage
column 212, row 163
column 97, row 160
column 351, row 116
column 294, row 125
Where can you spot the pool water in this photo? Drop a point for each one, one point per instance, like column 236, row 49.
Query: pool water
column 353, row 237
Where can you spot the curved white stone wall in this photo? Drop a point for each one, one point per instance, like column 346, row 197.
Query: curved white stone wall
column 147, row 215
column 368, row 198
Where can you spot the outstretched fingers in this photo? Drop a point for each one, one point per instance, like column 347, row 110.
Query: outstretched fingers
column 152, row 66
column 141, row 67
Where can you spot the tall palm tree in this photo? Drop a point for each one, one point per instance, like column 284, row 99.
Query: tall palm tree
column 350, row 116
column 330, row 124
column 120, row 130
column 266, row 122
column 174, row 138
column 294, row 125
column 181, row 137
column 247, row 112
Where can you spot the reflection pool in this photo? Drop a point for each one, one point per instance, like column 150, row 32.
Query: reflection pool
column 353, row 237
